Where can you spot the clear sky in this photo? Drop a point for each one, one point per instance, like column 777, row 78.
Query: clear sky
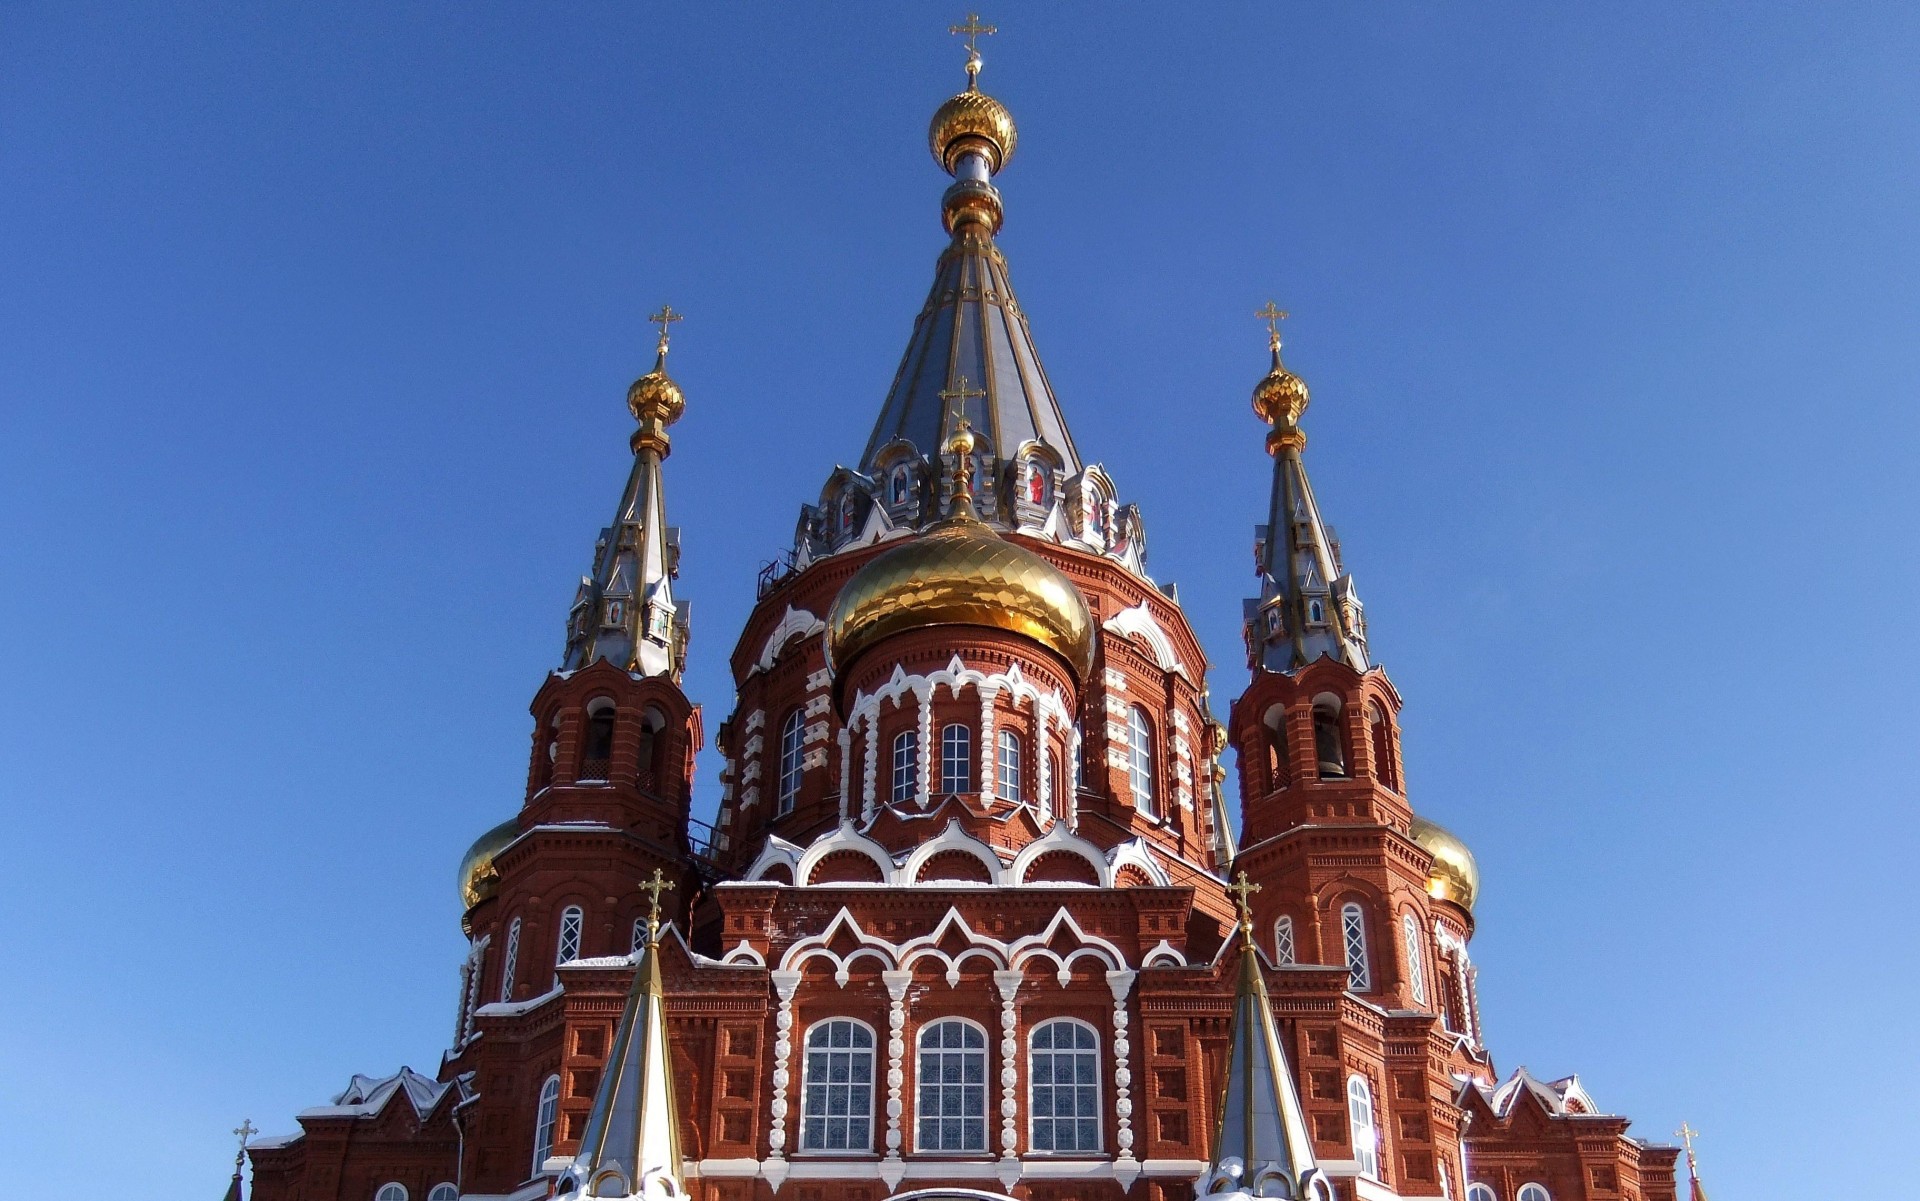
column 316, row 323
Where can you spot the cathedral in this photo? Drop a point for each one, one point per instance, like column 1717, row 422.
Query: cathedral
column 971, row 920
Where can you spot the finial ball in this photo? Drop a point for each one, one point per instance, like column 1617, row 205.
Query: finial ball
column 972, row 122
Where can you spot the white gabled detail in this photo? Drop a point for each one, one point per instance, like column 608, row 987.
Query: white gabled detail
column 998, row 955
column 843, row 838
column 778, row 851
column 953, row 838
column 1138, row 853
column 1138, row 624
column 1163, row 955
column 794, row 623
column 1060, row 838
column 743, row 954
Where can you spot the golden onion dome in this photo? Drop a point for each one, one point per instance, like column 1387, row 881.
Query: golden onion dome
column 654, row 396
column 478, row 877
column 972, row 120
column 961, row 573
column 1454, row 876
column 1281, row 396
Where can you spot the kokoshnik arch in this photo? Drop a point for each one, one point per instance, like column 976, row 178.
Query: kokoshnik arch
column 965, row 926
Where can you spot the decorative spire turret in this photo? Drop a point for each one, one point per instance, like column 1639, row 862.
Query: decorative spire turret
column 1261, row 1148
column 625, row 611
column 1307, row 606
column 631, row 1146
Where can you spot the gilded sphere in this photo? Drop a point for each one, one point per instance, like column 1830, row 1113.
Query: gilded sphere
column 1280, row 396
column 656, row 395
column 1454, row 876
column 478, row 878
column 961, row 573
column 968, row 120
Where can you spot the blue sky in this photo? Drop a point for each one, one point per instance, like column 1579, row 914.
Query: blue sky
column 317, row 323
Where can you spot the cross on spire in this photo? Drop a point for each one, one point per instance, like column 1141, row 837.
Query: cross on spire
column 1687, row 1135
column 1273, row 315
column 962, row 391
column 653, row 887
column 973, row 29
column 245, row 1130
column 1243, row 890
column 664, row 318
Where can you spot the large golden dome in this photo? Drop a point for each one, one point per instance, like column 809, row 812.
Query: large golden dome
column 1454, row 876
column 972, row 120
column 961, row 573
column 478, row 878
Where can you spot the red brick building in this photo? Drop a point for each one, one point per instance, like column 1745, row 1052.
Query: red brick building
column 962, row 926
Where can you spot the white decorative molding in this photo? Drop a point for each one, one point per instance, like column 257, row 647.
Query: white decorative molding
column 1059, row 838
column 785, row 984
column 778, row 851
column 998, row 955
column 1121, row 984
column 1139, row 854
column 953, row 838
column 1138, row 624
column 744, row 954
column 843, row 838
column 1009, row 985
column 893, row 1167
column 794, row 623
column 1163, row 955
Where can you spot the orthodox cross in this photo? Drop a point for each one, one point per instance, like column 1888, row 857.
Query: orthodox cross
column 961, row 391
column 653, row 888
column 1243, row 890
column 665, row 317
column 973, row 29
column 1687, row 1135
column 1273, row 315
column 246, row 1131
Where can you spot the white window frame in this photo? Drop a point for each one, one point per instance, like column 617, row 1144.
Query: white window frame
column 546, row 1121
column 1285, row 952
column 445, row 1191
column 512, row 963
column 1481, row 1192
column 639, row 934
column 956, row 758
column 392, row 1190
column 573, row 927
column 906, row 767
column 1362, row 1126
column 1533, row 1190
column 1007, row 773
column 1416, row 959
column 793, row 734
column 1140, row 760
column 937, row 1090
column 1353, row 941
column 1035, row 1119
column 808, row 1084
column 1046, row 803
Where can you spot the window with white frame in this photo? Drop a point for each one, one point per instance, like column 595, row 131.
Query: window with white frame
column 1140, row 759
column 1079, row 758
column 1533, row 1192
column 545, row 1118
column 639, row 934
column 512, row 962
column 956, row 759
column 1006, row 779
column 1283, row 952
column 1366, row 1138
column 444, row 1192
column 393, row 1191
column 1480, row 1192
column 837, row 1101
column 787, row 791
column 1053, row 785
column 951, row 1103
column 906, row 766
column 1353, row 935
column 1063, row 1075
column 1416, row 961
column 572, row 921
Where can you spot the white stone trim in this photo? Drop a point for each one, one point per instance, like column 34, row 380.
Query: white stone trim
column 1139, row 625
column 794, row 623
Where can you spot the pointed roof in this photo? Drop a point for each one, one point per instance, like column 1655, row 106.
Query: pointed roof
column 1261, row 1148
column 1307, row 606
column 631, row 1146
column 625, row 612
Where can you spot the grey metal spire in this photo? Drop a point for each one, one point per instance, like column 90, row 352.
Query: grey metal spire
column 1307, row 607
column 625, row 612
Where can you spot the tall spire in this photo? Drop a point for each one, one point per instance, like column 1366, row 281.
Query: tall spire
column 1261, row 1148
column 1695, row 1190
column 631, row 1146
column 1307, row 606
column 971, row 324
column 624, row 612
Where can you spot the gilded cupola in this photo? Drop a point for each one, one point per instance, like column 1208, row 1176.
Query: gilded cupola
column 478, row 877
column 1454, row 875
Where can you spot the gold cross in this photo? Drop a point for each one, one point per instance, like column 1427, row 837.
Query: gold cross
column 962, row 391
column 1273, row 315
column 973, row 29
column 665, row 317
column 653, row 887
column 1687, row 1135
column 1243, row 890
column 245, row 1130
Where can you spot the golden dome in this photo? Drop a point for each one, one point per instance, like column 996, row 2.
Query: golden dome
column 1281, row 396
column 961, row 573
column 478, row 878
column 655, row 396
column 972, row 120
column 1454, row 876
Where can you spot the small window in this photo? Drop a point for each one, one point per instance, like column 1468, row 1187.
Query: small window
column 1283, row 952
column 596, row 757
column 1140, row 759
column 639, row 934
column 1079, row 759
column 512, row 962
column 1047, row 803
column 1366, row 1140
column 906, row 766
column 956, row 759
column 1533, row 1192
column 837, row 1103
column 1006, row 782
column 444, row 1192
column 1064, row 1087
column 1480, row 1192
column 951, row 1103
column 1279, row 765
column 391, row 1192
column 572, row 920
column 1353, row 934
column 546, row 1117
column 1416, row 965
column 792, row 731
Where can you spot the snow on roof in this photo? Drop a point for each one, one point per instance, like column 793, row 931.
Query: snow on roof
column 513, row 1009
column 270, row 1142
column 366, row 1096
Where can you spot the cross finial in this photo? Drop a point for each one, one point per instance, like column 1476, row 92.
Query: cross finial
column 1273, row 315
column 653, row 887
column 245, row 1130
column 973, row 29
column 1687, row 1135
column 1243, row 890
column 664, row 318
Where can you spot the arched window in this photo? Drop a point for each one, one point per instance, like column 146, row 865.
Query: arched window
column 1480, row 1192
column 1366, row 1140
column 1283, row 952
column 444, row 1192
column 792, row 731
column 1006, row 779
column 956, row 759
column 393, row 1191
column 952, row 1100
column 639, row 934
column 1079, row 759
column 1279, row 764
column 652, row 721
column 1063, row 1078
column 1353, row 936
column 597, row 754
column 546, row 1117
column 837, row 1105
column 1533, row 1192
column 1140, row 759
column 512, row 963
column 1416, row 961
column 572, row 920
column 1048, row 803
column 906, row 766
column 1380, row 734
column 1329, row 748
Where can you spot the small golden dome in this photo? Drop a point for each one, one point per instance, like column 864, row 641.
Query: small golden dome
column 972, row 120
column 1454, row 876
column 654, row 396
column 1281, row 396
column 478, row 878
column 961, row 573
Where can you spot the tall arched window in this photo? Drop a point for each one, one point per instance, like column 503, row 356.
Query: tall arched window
column 567, row 946
column 1063, row 1080
column 1279, row 762
column 1079, row 758
column 639, row 935
column 1533, row 1192
column 906, row 766
column 393, row 1191
column 1006, row 779
column 1366, row 1138
column 1140, row 759
column 837, row 1104
column 1380, row 734
column 792, row 731
column 1480, row 1192
column 1048, row 802
column 1353, row 936
column 596, row 755
column 512, row 962
column 444, row 1192
column 951, row 1103
column 956, row 759
column 1329, row 748
column 545, row 1119
column 1283, row 952
column 1416, row 961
